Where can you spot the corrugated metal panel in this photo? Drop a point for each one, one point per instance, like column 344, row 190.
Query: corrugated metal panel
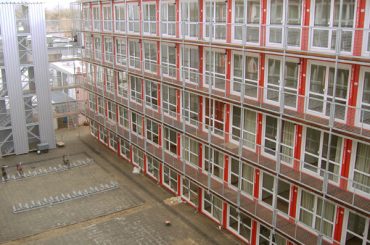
column 41, row 70
column 12, row 69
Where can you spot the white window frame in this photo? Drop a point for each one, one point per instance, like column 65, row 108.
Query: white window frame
column 363, row 106
column 97, row 48
column 188, row 192
column 168, row 105
column 273, row 238
column 333, row 178
column 211, row 77
column 113, row 141
column 122, row 83
column 150, row 56
column 284, row 27
column 276, row 88
column 111, row 106
column 210, row 116
column 213, row 201
column 189, row 28
column 168, row 27
column 123, row 119
column 120, row 18
column 325, row 95
column 366, row 32
column 108, row 49
column 152, row 131
column 190, row 151
column 121, row 51
column 152, row 167
column 244, row 27
column 99, row 76
column 103, row 135
column 244, row 183
column 171, row 182
column 149, row 25
column 86, row 13
column 189, row 73
column 353, row 171
column 107, row 18
column 109, row 78
column 133, row 16
column 151, row 94
column 134, row 53
column 137, row 124
column 330, row 29
column 212, row 165
column 125, row 148
column 189, row 112
column 93, row 129
column 96, row 18
column 364, row 237
column 246, row 133
column 213, row 24
column 248, row 84
column 92, row 102
column 138, row 157
column 101, row 106
column 169, row 145
column 168, row 68
column 240, row 222
column 136, row 89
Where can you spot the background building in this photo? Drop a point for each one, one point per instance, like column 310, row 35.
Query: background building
column 254, row 112
column 26, row 116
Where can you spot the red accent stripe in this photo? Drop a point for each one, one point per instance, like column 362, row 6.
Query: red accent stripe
column 306, row 24
column 227, row 123
column 261, row 82
column 201, row 50
column 161, row 173
column 226, row 168
column 178, row 104
column 293, row 202
column 360, row 19
column 224, row 215
column 229, row 25
column 228, row 71
column 200, row 115
column 254, row 232
column 302, row 86
column 353, row 92
column 145, row 165
column 263, row 22
column 259, row 132
column 178, row 61
column 347, row 149
column 177, row 18
column 338, row 224
column 200, row 159
column 201, row 10
column 179, row 185
column 200, row 200
column 297, row 147
column 256, row 183
column 179, row 146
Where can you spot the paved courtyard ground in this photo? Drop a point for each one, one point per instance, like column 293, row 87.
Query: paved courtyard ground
column 133, row 213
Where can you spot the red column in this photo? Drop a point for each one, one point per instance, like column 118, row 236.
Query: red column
column 257, row 174
column 91, row 17
column 141, row 66
column 224, row 215
column 200, row 200
column 293, row 202
column 227, row 123
column 201, row 12
column 142, row 92
column 178, row 61
column 179, row 185
column 179, row 146
column 259, row 132
column 347, row 150
column 360, row 13
column 159, row 135
column 263, row 23
column 157, row 17
column 261, row 82
column 228, row 71
column 254, row 232
column 201, row 50
column 118, row 147
column 158, row 57
column 200, row 159
column 229, row 20
column 103, row 49
column 305, row 24
column 159, row 97
column 338, row 225
column 145, row 167
column 140, row 16
column 353, row 91
column 178, row 104
column 200, row 115
column 302, row 86
column 114, row 50
column 297, row 147
column 226, row 168
column 131, row 154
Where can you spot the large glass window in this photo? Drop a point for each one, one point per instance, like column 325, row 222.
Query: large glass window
column 190, row 151
column 150, row 57
column 133, row 17
column 366, row 45
column 138, row 157
column 151, row 94
column 153, row 167
column 248, row 80
column 361, row 169
column 107, row 18
column 190, row 108
column 364, row 99
column 319, row 155
column 169, row 100
column 212, row 205
column 101, row 106
column 136, row 89
column 240, row 223
column 125, row 148
column 190, row 64
column 168, row 60
column 327, row 19
column 113, row 141
column 215, row 19
column 111, row 111
column 103, row 135
column 170, row 140
column 357, row 229
column 214, row 115
column 247, row 21
column 99, row 79
column 86, row 17
column 97, row 48
column 122, row 84
column 134, row 51
column 168, row 18
column 247, row 126
column 215, row 72
column 285, row 22
column 120, row 17
column 214, row 162
column 189, row 18
column 96, row 17
column 137, row 123
column 314, row 212
column 92, row 102
column 94, row 129
column 276, row 74
column 321, row 90
column 242, row 176
column 109, row 79
column 152, row 129
column 170, row 178
column 267, row 237
column 123, row 117
column 121, row 57
column 190, row 191
column 149, row 18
